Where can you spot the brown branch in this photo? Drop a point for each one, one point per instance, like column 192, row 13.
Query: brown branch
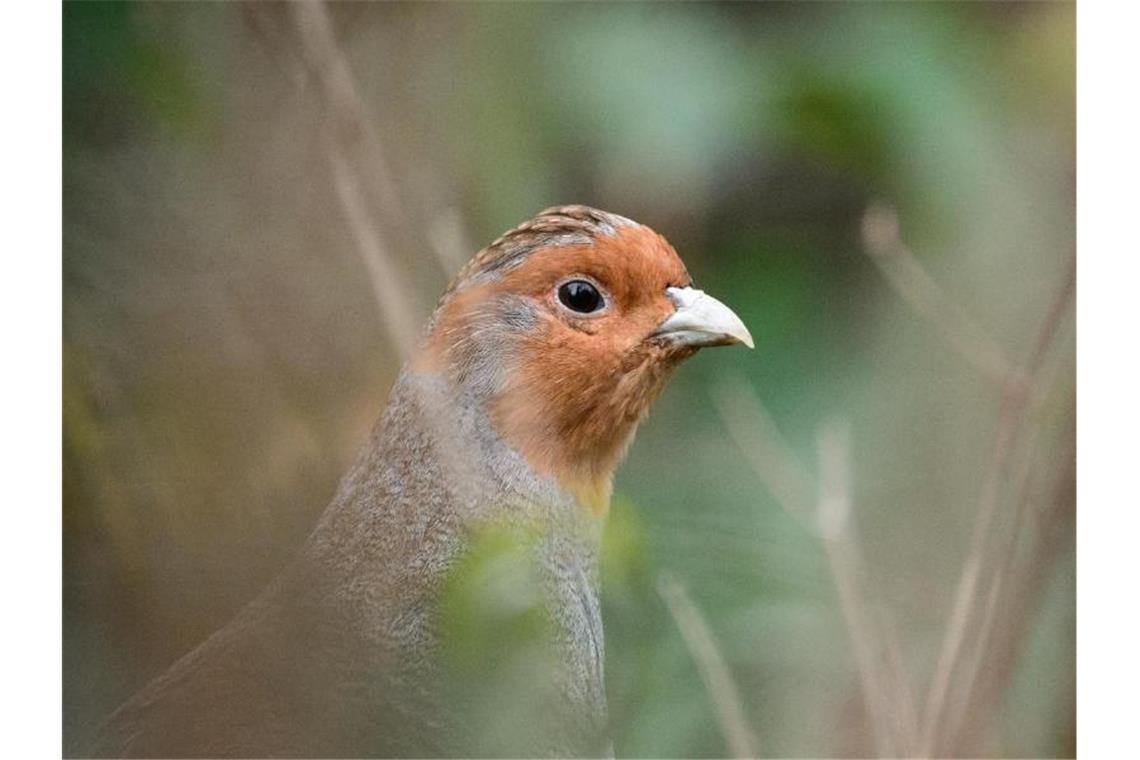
column 1022, row 385
column 348, row 130
column 359, row 171
column 758, row 437
column 905, row 713
column 741, row 739
column 881, row 241
column 886, row 688
column 886, row 692
column 448, row 240
column 894, row 736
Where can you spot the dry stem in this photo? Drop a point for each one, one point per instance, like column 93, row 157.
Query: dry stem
column 1023, row 385
column 349, row 128
column 988, row 564
column 714, row 671
column 882, row 678
column 900, row 266
column 893, row 736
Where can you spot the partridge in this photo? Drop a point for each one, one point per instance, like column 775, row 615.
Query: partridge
column 543, row 355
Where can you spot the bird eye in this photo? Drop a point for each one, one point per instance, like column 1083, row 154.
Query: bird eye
column 580, row 296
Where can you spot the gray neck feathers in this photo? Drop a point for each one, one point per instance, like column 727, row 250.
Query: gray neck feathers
column 434, row 464
column 434, row 472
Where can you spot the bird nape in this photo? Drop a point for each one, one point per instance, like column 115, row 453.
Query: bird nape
column 503, row 429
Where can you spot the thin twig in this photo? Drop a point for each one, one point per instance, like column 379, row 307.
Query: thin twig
column 448, row 240
column 905, row 710
column 882, row 681
column 352, row 143
column 886, row 687
column 758, row 437
column 845, row 558
column 999, row 588
column 348, row 127
column 741, row 739
column 881, row 241
column 1022, row 386
column 393, row 297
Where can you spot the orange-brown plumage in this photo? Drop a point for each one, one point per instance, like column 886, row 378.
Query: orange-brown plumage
column 584, row 384
column 580, row 384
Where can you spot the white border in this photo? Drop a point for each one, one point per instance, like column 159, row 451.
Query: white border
column 1108, row 385
column 30, row 452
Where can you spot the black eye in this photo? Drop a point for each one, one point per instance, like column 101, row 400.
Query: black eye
column 581, row 296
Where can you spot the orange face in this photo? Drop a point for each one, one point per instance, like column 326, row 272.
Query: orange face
column 598, row 302
column 569, row 347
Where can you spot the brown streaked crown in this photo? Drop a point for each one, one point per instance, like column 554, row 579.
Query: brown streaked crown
column 555, row 226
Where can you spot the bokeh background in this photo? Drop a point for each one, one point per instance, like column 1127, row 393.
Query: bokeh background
column 855, row 540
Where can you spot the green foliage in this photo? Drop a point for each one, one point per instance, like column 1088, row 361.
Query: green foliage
column 117, row 78
column 495, row 639
column 492, row 603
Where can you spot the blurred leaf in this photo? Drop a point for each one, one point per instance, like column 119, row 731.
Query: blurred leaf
column 111, row 67
column 492, row 605
column 837, row 123
column 495, row 638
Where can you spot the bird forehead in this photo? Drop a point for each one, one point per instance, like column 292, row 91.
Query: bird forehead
column 634, row 261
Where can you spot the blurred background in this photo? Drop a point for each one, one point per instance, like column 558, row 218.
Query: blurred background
column 855, row 540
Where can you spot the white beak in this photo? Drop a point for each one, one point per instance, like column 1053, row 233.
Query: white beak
column 701, row 320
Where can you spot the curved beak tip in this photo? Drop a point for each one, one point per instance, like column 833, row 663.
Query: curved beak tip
column 701, row 320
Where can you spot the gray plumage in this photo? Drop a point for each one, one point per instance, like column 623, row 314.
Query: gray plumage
column 336, row 658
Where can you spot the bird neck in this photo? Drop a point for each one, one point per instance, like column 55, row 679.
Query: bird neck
column 434, row 476
column 574, row 421
column 437, row 444
column 551, row 458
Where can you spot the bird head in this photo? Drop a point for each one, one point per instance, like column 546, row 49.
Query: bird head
column 565, row 330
